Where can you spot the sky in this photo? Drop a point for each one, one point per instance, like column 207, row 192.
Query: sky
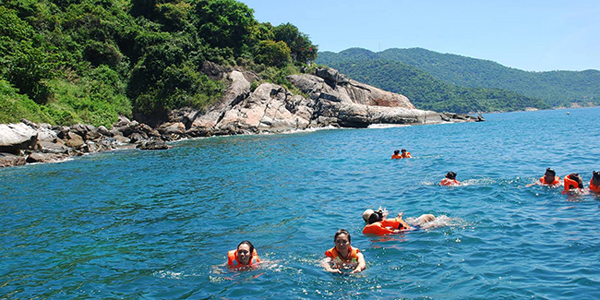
column 530, row 35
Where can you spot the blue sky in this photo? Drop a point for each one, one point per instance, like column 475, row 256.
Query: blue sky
column 529, row 35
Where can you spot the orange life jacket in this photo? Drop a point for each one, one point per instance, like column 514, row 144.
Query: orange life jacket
column 394, row 156
column 232, row 258
column 448, row 181
column 570, row 184
column 555, row 182
column 407, row 155
column 594, row 188
column 383, row 227
column 335, row 255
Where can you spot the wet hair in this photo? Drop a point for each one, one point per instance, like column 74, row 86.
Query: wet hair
column 551, row 171
column 596, row 175
column 576, row 177
column 451, row 175
column 342, row 231
column 249, row 245
column 375, row 217
column 403, row 150
column 396, row 152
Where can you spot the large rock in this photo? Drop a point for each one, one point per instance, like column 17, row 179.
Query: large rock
column 11, row 160
column 17, row 137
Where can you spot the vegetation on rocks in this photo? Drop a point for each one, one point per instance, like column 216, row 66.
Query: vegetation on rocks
column 65, row 62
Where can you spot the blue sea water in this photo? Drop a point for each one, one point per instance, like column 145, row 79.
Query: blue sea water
column 157, row 225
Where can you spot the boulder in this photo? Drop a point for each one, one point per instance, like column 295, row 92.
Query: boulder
column 37, row 157
column 17, row 137
column 57, row 147
column 11, row 160
column 74, row 140
column 153, row 145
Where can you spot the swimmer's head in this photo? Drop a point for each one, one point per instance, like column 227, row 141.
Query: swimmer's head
column 403, row 150
column 396, row 152
column 451, row 175
column 550, row 171
column 367, row 214
column 596, row 175
column 341, row 232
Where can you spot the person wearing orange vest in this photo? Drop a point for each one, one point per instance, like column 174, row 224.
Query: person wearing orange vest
column 243, row 256
column 396, row 154
column 595, row 182
column 379, row 224
column 573, row 182
column 343, row 256
column 405, row 154
column 450, row 180
column 549, row 179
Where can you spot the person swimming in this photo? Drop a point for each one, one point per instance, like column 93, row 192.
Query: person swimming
column 405, row 154
column 450, row 180
column 573, row 183
column 595, row 182
column 343, row 256
column 549, row 179
column 244, row 256
column 396, row 154
column 379, row 224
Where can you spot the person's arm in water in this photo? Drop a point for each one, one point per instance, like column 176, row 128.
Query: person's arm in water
column 326, row 264
column 362, row 264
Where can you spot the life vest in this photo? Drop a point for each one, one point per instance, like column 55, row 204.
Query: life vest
column 555, row 182
column 448, row 181
column 232, row 258
column 570, row 184
column 407, row 155
column 394, row 156
column 594, row 188
column 383, row 227
column 337, row 258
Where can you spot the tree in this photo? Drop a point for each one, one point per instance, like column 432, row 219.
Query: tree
column 302, row 49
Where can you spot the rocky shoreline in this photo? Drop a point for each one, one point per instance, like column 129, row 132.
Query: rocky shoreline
column 329, row 100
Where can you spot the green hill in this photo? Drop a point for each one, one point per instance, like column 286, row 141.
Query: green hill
column 556, row 88
column 66, row 61
column 424, row 91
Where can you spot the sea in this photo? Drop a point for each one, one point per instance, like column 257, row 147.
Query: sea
column 133, row 224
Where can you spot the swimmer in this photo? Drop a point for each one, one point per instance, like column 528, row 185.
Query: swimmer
column 595, row 182
column 243, row 257
column 450, row 180
column 573, row 183
column 549, row 179
column 405, row 154
column 343, row 256
column 379, row 224
column 396, row 154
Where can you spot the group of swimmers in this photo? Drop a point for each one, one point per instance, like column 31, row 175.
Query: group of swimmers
column 572, row 182
column 342, row 257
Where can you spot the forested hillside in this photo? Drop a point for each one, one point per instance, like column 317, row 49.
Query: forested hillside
column 425, row 91
column 556, row 88
column 69, row 61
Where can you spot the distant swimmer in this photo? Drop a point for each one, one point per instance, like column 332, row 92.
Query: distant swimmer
column 405, row 154
column 379, row 224
column 343, row 256
column 396, row 154
column 450, row 180
column 573, row 183
column 549, row 179
column 595, row 182
column 244, row 256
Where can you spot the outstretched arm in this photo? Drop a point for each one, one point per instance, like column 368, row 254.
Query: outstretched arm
column 361, row 263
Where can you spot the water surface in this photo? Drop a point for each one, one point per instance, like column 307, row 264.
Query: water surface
column 156, row 225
